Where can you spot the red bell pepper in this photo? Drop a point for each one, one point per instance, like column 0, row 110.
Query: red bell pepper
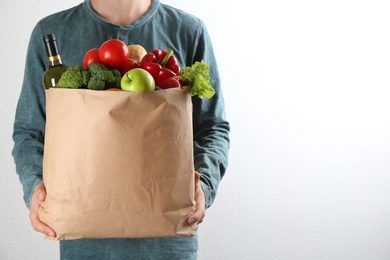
column 149, row 63
column 156, row 60
column 172, row 82
column 164, row 74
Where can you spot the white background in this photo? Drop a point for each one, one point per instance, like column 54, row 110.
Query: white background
column 307, row 93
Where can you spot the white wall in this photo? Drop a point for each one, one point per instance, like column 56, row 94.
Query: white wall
column 307, row 89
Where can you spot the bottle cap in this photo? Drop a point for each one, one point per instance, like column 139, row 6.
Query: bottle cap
column 49, row 38
column 51, row 45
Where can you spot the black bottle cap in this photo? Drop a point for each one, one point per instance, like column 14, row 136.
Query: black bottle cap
column 50, row 44
column 49, row 38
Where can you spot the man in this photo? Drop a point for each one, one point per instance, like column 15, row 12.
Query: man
column 153, row 25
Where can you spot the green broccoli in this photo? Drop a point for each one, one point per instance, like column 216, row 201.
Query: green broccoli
column 96, row 77
column 74, row 77
column 103, row 77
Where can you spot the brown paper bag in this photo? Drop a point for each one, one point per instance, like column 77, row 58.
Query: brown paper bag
column 118, row 164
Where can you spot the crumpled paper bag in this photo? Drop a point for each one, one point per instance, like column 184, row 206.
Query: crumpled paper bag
column 118, row 164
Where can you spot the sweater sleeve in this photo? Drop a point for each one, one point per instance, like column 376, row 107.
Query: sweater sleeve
column 29, row 124
column 211, row 128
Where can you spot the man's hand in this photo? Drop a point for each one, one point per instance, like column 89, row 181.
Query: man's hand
column 37, row 199
column 200, row 212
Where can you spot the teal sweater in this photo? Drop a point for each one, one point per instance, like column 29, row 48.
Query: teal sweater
column 79, row 29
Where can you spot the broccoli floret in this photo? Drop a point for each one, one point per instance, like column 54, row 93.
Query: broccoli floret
column 96, row 77
column 74, row 77
column 94, row 68
column 103, row 77
column 98, row 81
column 114, row 80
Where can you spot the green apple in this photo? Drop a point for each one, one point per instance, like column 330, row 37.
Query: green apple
column 137, row 80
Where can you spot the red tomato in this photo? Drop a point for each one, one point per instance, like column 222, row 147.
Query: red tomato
column 92, row 56
column 128, row 65
column 113, row 53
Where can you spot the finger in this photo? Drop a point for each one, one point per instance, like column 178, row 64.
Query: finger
column 41, row 227
column 37, row 199
column 196, row 217
column 200, row 212
column 41, row 197
column 40, row 193
column 197, row 177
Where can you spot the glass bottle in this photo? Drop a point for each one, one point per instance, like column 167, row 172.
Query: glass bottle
column 56, row 68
